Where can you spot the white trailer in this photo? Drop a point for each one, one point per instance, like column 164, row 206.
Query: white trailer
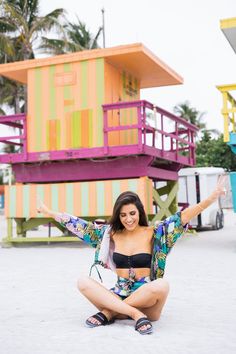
column 195, row 185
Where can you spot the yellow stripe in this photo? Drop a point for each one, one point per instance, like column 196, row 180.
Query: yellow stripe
column 228, row 23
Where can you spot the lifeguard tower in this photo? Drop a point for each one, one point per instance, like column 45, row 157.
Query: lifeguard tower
column 87, row 136
column 228, row 27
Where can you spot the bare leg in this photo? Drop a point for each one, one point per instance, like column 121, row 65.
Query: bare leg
column 149, row 299
column 102, row 298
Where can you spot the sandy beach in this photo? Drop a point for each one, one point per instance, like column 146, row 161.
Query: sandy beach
column 42, row 312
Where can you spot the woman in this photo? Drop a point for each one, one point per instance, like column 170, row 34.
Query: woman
column 136, row 252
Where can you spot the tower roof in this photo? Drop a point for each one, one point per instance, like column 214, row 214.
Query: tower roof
column 134, row 58
column 228, row 27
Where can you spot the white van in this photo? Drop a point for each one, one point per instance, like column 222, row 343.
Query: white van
column 195, row 185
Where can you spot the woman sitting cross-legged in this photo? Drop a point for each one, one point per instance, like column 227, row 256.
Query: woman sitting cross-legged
column 136, row 252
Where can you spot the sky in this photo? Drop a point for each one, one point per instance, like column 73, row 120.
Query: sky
column 184, row 34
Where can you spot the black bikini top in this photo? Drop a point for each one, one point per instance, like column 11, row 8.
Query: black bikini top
column 140, row 260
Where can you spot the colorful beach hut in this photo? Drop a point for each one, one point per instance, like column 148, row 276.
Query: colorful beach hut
column 228, row 28
column 87, row 136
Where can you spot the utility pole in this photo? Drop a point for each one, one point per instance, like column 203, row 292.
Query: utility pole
column 103, row 26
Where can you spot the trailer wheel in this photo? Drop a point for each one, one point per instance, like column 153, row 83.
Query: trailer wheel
column 221, row 220
column 217, row 225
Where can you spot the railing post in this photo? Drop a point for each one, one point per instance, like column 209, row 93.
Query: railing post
column 139, row 108
column 171, row 142
column 105, row 126
column 189, row 147
column 177, row 141
column 155, row 124
column 162, row 135
column 144, row 123
column 192, row 148
column 24, row 138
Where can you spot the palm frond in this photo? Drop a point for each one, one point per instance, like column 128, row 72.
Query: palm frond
column 94, row 43
column 6, row 47
column 52, row 46
column 47, row 23
column 2, row 112
column 13, row 16
column 6, row 27
column 191, row 114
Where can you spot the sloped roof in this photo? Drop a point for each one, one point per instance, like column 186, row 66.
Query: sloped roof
column 134, row 58
column 228, row 27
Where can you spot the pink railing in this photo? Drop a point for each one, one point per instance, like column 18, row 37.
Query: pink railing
column 16, row 121
column 159, row 133
column 169, row 134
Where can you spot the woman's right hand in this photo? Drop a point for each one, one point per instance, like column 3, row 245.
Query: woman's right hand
column 42, row 208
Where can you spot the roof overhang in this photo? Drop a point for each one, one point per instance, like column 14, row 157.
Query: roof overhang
column 134, row 58
column 228, row 27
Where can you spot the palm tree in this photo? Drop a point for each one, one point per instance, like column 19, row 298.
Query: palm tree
column 190, row 114
column 20, row 20
column 8, row 89
column 193, row 116
column 77, row 37
column 20, row 26
column 11, row 96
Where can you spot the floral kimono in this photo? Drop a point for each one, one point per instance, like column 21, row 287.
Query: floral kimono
column 165, row 235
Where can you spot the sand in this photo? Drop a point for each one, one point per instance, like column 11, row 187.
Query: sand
column 42, row 312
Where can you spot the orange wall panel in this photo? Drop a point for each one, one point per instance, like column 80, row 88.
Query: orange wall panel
column 121, row 86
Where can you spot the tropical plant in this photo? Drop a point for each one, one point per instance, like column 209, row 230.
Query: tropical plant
column 214, row 152
column 77, row 37
column 191, row 114
column 195, row 117
column 20, row 21
column 11, row 96
column 20, row 27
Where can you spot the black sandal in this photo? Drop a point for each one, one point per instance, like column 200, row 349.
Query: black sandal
column 143, row 321
column 103, row 320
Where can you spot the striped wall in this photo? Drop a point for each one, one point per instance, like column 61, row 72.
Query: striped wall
column 121, row 86
column 85, row 199
column 64, row 106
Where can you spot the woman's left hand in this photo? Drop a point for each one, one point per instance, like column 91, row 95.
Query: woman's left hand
column 192, row 211
column 221, row 186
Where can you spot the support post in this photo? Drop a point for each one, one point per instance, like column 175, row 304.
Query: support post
column 168, row 206
column 20, row 227
column 7, row 241
column 9, row 229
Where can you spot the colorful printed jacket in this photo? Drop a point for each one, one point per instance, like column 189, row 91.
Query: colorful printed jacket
column 165, row 235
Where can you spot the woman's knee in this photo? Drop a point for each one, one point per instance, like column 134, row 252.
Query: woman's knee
column 155, row 317
column 83, row 283
column 161, row 286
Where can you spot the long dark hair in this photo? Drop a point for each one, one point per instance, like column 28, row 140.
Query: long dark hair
column 126, row 198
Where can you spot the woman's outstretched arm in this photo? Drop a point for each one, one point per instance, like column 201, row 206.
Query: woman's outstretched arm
column 87, row 231
column 43, row 209
column 192, row 211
